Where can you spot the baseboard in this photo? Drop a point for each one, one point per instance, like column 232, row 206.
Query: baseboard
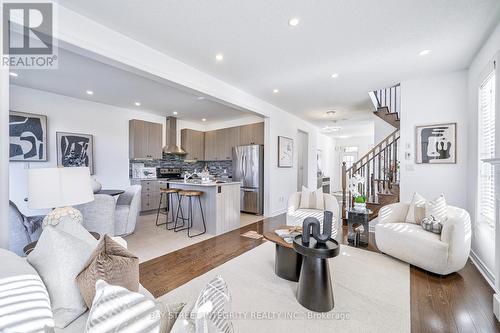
column 481, row 267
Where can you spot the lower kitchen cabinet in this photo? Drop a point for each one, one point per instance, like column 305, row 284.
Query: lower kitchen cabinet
column 150, row 194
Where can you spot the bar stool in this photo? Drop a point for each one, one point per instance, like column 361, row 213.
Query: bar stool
column 190, row 195
column 169, row 192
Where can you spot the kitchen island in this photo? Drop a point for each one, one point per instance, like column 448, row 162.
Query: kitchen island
column 220, row 202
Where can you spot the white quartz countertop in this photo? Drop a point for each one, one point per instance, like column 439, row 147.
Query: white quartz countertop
column 200, row 183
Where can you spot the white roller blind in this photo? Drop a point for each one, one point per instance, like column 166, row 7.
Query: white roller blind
column 486, row 196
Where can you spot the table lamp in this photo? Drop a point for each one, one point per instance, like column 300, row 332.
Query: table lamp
column 59, row 188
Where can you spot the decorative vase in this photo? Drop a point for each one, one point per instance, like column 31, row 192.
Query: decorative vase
column 96, row 186
column 360, row 206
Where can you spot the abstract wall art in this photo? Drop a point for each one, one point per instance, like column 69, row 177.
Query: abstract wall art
column 28, row 137
column 285, row 152
column 436, row 144
column 75, row 150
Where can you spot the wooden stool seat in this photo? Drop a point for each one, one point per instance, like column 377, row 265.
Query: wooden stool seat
column 190, row 193
column 169, row 190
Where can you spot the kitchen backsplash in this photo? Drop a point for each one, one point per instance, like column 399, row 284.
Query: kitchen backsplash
column 215, row 168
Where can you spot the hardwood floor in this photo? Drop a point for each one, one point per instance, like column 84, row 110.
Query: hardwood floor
column 459, row 302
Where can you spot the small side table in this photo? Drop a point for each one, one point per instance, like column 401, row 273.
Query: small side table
column 315, row 291
column 358, row 227
column 287, row 262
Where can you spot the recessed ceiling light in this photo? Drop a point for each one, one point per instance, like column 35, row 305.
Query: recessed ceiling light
column 276, row 91
column 201, row 97
column 335, row 75
column 89, row 92
column 175, row 113
column 219, row 57
column 424, row 52
column 293, row 22
column 331, row 113
column 13, row 74
column 204, row 119
column 137, row 103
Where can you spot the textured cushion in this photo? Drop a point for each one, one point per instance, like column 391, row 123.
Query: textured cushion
column 116, row 309
column 58, row 258
column 24, row 300
column 431, row 224
column 416, row 210
column 112, row 263
column 436, row 208
column 311, row 199
column 210, row 312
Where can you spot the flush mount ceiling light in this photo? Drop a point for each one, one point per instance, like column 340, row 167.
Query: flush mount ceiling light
column 13, row 74
column 424, row 52
column 137, row 103
column 219, row 57
column 175, row 113
column 276, row 91
column 293, row 22
column 335, row 75
column 89, row 92
column 204, row 119
column 329, row 129
column 331, row 113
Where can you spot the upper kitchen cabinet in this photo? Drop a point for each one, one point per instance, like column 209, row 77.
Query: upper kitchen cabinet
column 227, row 138
column 252, row 134
column 145, row 139
column 193, row 143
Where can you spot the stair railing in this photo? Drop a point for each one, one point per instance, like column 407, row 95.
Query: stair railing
column 387, row 97
column 378, row 167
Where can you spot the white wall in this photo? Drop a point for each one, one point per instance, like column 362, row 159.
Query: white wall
column 382, row 129
column 108, row 125
column 482, row 237
column 434, row 100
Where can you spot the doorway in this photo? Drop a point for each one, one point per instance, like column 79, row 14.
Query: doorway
column 302, row 159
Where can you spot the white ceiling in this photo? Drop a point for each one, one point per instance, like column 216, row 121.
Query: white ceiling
column 370, row 44
column 76, row 74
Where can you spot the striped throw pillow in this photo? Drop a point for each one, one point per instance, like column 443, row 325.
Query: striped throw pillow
column 312, row 199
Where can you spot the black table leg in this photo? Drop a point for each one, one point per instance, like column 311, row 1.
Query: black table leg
column 287, row 263
column 315, row 290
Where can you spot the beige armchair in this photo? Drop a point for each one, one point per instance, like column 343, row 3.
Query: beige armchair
column 441, row 254
column 295, row 215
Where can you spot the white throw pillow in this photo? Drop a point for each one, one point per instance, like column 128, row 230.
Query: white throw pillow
column 58, row 258
column 25, row 303
column 77, row 230
column 416, row 210
column 436, row 208
column 312, row 199
column 116, row 309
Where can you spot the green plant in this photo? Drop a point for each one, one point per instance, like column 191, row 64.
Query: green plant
column 360, row 199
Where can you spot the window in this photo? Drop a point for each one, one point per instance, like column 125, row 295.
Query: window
column 349, row 160
column 486, row 195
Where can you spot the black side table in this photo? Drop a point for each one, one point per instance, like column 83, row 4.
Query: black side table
column 315, row 291
column 358, row 227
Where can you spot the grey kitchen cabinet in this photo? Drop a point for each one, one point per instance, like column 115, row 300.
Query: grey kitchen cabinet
column 150, row 194
column 211, row 151
column 252, row 134
column 227, row 138
column 193, row 143
column 145, row 139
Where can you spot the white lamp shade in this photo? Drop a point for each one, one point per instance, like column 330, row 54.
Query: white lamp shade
column 59, row 187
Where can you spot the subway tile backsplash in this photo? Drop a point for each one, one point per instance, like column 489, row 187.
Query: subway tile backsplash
column 215, row 168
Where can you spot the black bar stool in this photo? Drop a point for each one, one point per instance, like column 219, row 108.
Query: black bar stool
column 190, row 195
column 169, row 192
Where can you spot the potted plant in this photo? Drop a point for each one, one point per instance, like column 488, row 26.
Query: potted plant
column 359, row 199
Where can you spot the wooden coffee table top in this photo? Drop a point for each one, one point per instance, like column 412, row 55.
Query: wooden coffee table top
column 271, row 236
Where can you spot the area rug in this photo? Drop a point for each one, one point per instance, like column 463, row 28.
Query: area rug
column 371, row 292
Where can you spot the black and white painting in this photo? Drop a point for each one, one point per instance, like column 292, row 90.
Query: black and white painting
column 75, row 150
column 285, row 152
column 28, row 137
column 437, row 144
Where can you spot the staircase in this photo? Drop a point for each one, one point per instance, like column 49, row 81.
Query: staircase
column 379, row 168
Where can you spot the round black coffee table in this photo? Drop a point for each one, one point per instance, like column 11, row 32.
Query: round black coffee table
column 315, row 291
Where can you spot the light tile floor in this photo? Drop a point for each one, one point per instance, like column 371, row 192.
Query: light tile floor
column 149, row 241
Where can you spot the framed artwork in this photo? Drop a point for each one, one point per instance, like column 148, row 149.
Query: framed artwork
column 436, row 144
column 285, row 152
column 28, row 137
column 75, row 150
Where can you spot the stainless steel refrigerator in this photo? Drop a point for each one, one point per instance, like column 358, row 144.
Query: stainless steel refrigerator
column 248, row 168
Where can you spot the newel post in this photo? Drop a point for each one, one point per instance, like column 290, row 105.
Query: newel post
column 344, row 187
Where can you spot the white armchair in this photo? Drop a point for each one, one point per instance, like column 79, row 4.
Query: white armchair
column 295, row 216
column 441, row 254
column 128, row 207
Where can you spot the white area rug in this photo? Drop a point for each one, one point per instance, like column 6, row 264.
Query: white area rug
column 371, row 291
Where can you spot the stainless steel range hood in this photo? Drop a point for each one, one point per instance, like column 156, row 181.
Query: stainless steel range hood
column 171, row 146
